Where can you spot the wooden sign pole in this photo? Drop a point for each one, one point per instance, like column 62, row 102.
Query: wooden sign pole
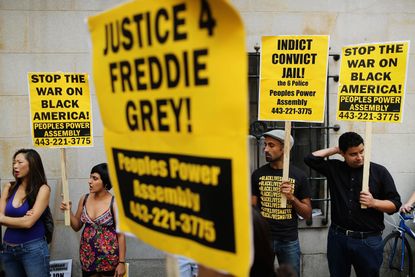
column 366, row 164
column 172, row 266
column 286, row 167
column 65, row 189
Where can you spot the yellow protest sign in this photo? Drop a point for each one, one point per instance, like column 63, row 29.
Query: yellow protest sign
column 293, row 78
column 372, row 82
column 60, row 108
column 171, row 85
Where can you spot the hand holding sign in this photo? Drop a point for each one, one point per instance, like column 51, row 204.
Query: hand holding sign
column 293, row 83
column 372, row 88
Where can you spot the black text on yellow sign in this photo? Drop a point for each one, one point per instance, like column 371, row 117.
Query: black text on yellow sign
column 175, row 69
column 178, row 195
column 147, row 115
column 168, row 76
column 372, row 82
column 60, row 109
column 293, row 78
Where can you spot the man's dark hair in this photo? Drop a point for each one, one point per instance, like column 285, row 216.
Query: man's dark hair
column 349, row 139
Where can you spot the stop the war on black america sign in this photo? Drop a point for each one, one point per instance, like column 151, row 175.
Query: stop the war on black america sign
column 372, row 82
column 60, row 108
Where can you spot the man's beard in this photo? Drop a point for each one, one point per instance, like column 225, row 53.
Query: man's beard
column 270, row 159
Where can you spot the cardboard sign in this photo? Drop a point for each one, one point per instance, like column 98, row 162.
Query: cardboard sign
column 293, row 78
column 60, row 108
column 372, row 82
column 61, row 268
column 171, row 78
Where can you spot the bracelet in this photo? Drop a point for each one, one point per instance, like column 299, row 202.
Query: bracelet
column 121, row 262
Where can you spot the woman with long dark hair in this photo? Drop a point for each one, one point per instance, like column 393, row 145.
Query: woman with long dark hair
column 102, row 249
column 22, row 203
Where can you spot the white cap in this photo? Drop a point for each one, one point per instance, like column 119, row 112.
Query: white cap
column 279, row 135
